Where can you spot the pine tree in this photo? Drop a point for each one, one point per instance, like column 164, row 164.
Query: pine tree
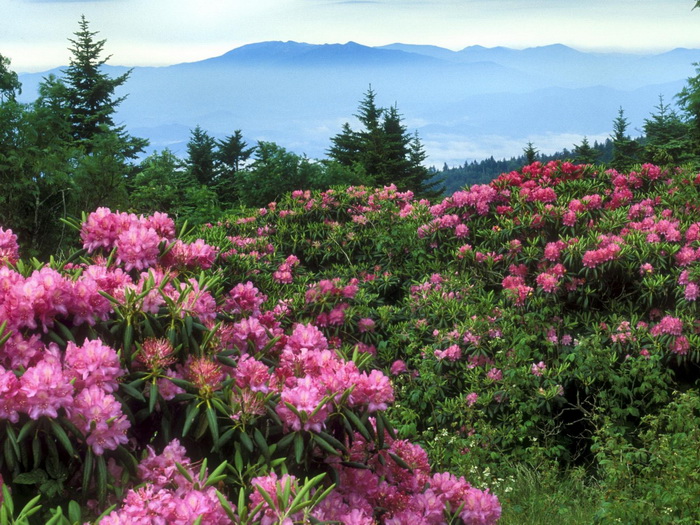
column 689, row 101
column 530, row 153
column 201, row 156
column 384, row 149
column 667, row 136
column 585, row 153
column 91, row 95
column 624, row 148
column 232, row 153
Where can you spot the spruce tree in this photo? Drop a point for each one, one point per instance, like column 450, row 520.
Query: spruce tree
column 201, row 156
column 585, row 153
column 384, row 149
column 91, row 93
column 624, row 148
column 232, row 152
column 530, row 153
column 667, row 136
column 689, row 101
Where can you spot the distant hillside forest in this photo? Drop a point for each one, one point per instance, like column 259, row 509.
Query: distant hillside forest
column 484, row 171
column 667, row 139
column 63, row 154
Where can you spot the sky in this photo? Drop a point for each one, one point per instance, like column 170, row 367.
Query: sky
column 34, row 33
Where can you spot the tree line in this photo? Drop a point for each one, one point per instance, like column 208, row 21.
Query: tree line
column 64, row 154
column 668, row 138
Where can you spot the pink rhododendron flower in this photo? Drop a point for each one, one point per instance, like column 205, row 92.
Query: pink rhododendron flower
column 99, row 416
column 305, row 397
column 9, row 249
column 668, row 325
column 452, row 353
column 538, row 368
column 398, row 367
column 244, row 299
column 45, row 389
column 93, row 363
column 138, row 247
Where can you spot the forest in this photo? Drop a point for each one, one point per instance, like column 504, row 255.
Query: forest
column 250, row 336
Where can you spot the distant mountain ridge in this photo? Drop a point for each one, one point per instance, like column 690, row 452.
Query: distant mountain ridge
column 467, row 104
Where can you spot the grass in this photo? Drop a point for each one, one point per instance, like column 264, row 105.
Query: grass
column 540, row 496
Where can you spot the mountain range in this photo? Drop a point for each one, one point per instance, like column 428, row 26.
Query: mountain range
column 466, row 105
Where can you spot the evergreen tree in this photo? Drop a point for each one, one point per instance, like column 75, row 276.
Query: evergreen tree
column 689, row 101
column 585, row 153
column 667, row 136
column 201, row 156
column 231, row 155
column 531, row 153
column 91, row 94
column 383, row 149
column 624, row 148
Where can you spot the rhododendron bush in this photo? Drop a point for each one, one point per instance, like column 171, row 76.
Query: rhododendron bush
column 141, row 382
column 353, row 355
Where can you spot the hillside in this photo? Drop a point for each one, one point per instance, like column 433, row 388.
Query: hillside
column 545, row 323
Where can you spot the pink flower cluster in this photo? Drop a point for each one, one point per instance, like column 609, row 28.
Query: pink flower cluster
column 283, row 274
column 138, row 240
column 166, row 496
column 80, row 383
column 405, row 496
column 609, row 247
column 516, row 289
column 452, row 353
column 692, row 287
column 550, row 280
column 9, row 249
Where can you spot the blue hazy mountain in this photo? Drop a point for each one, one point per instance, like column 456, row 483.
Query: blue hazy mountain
column 465, row 104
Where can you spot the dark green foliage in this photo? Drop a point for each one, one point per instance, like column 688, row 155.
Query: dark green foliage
column 689, row 101
column 276, row 171
column 384, row 149
column 667, row 137
column 231, row 155
column 163, row 184
column 9, row 82
column 584, row 153
column 531, row 153
column 624, row 148
column 201, row 152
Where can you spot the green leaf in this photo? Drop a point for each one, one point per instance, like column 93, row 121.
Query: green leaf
column 153, row 397
column 226, row 506
column 129, row 389
column 88, row 465
column 31, row 478
column 213, row 424
column 217, row 475
column 262, row 444
column 62, row 436
column 74, row 512
column 247, row 442
column 7, row 499
column 357, row 424
column 298, row 447
column 325, row 445
column 190, row 415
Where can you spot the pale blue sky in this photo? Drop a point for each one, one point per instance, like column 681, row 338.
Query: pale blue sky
column 34, row 33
